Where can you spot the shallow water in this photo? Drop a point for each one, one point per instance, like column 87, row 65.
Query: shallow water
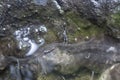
column 30, row 37
column 34, row 46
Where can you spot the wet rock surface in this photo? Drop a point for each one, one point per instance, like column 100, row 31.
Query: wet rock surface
column 96, row 54
column 67, row 59
column 59, row 40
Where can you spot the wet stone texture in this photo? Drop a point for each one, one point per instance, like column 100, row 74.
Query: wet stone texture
column 59, row 40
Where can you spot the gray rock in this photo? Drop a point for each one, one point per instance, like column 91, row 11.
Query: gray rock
column 40, row 2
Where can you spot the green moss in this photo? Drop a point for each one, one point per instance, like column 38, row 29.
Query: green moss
column 86, row 74
column 50, row 36
column 70, row 69
column 114, row 23
column 116, row 18
column 80, row 28
column 49, row 77
column 83, row 77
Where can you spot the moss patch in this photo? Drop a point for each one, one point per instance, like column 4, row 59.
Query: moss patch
column 80, row 28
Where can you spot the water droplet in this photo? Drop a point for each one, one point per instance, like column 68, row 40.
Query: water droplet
column 87, row 37
column 8, row 5
column 26, row 39
column 1, row 6
column 4, row 29
column 76, row 39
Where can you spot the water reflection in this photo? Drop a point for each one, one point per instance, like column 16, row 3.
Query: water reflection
column 34, row 46
column 30, row 37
